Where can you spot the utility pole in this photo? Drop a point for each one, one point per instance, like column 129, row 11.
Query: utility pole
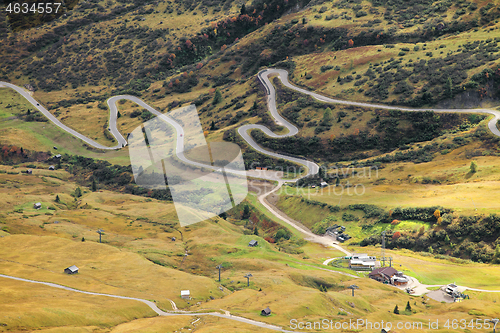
column 352, row 287
column 383, row 248
column 100, row 232
column 475, row 208
column 384, row 258
column 219, row 267
column 494, row 326
column 248, row 276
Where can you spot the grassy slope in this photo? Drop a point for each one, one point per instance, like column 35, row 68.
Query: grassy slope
column 464, row 192
column 110, row 207
column 25, row 305
column 359, row 59
column 44, row 258
column 205, row 324
column 430, row 270
column 78, row 115
column 42, row 136
column 208, row 244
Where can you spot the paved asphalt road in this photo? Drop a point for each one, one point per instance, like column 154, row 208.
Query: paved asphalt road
column 312, row 168
column 283, row 75
column 121, row 140
column 308, row 235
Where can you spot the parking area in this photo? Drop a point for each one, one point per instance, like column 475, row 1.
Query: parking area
column 440, row 296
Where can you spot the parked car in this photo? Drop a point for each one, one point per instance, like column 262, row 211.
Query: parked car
column 451, row 288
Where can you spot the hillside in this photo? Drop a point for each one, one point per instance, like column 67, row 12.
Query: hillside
column 137, row 244
column 102, row 49
column 401, row 192
column 428, row 179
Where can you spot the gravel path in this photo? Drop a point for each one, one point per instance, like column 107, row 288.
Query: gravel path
column 153, row 306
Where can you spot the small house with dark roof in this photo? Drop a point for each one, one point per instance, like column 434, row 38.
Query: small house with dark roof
column 253, row 243
column 71, row 270
column 383, row 274
column 265, row 312
column 37, row 205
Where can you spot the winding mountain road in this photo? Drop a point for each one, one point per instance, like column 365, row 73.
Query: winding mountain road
column 283, row 76
column 308, row 235
column 311, row 167
column 112, row 120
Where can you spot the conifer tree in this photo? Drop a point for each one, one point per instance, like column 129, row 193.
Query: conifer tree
column 408, row 307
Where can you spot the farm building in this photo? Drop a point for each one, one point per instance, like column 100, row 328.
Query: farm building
column 185, row 294
column 265, row 312
column 37, row 205
column 323, row 184
column 71, row 270
column 253, row 243
column 51, row 167
column 29, row 171
column 389, row 275
column 383, row 274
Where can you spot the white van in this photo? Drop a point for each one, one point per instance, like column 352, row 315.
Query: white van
column 451, row 288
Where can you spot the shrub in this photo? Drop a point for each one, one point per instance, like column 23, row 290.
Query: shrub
column 269, row 240
column 325, row 68
column 217, row 97
column 349, row 217
column 282, row 233
column 473, row 167
column 361, row 13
